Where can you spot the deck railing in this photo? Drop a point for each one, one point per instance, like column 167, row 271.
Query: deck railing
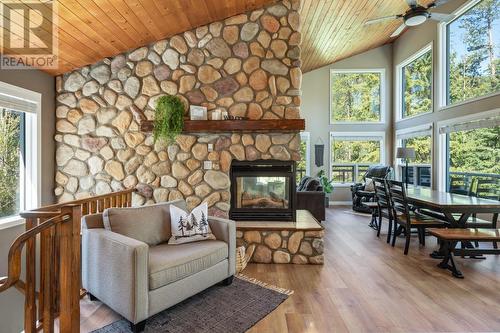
column 55, row 291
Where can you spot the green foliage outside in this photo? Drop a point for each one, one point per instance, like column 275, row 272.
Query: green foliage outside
column 474, row 55
column 169, row 118
column 355, row 97
column 301, row 165
column 344, row 151
column 417, row 85
column 422, row 146
column 10, row 125
column 475, row 151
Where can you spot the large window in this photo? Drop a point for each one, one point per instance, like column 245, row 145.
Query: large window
column 472, row 154
column 11, row 162
column 419, row 169
column 357, row 96
column 473, row 52
column 304, row 164
column 352, row 155
column 416, row 84
column 19, row 165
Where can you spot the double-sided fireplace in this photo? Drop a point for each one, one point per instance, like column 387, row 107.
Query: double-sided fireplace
column 262, row 190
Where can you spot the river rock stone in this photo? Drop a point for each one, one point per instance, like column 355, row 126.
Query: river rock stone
column 74, row 82
column 216, row 179
column 101, row 73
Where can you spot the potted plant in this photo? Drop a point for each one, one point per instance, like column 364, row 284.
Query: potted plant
column 327, row 185
column 169, row 118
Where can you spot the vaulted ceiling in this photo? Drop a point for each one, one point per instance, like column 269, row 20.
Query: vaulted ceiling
column 90, row 30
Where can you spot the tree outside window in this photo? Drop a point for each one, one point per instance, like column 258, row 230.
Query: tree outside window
column 473, row 55
column 351, row 157
column 11, row 161
column 356, row 96
column 417, row 86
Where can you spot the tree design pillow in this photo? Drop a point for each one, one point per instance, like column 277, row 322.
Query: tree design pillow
column 189, row 227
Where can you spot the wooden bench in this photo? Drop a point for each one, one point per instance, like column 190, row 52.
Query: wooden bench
column 450, row 238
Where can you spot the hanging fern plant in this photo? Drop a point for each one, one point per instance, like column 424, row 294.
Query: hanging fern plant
column 169, row 118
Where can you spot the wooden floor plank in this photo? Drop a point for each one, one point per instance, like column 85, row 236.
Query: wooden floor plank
column 368, row 286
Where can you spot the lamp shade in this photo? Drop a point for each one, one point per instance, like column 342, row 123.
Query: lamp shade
column 408, row 153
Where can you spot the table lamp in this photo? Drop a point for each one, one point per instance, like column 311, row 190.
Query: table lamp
column 406, row 153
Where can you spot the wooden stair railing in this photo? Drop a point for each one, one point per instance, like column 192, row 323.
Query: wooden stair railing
column 56, row 229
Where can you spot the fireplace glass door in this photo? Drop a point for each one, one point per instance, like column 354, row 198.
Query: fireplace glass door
column 262, row 192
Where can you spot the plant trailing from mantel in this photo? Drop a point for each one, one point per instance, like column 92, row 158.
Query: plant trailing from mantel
column 169, row 118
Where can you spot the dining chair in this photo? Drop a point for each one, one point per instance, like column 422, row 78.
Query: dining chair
column 405, row 218
column 384, row 206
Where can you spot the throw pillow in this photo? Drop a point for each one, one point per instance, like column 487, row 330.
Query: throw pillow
column 369, row 185
column 190, row 227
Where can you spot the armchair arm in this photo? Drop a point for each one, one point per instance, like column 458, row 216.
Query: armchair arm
column 115, row 270
column 225, row 230
column 357, row 186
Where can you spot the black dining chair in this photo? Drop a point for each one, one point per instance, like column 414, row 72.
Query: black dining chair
column 384, row 206
column 404, row 218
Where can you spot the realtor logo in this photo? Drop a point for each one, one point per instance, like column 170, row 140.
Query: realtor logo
column 29, row 35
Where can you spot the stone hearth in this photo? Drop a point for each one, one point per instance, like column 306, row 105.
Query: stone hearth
column 299, row 242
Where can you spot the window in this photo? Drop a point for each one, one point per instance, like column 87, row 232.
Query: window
column 12, row 138
column 472, row 52
column 19, row 166
column 419, row 169
column 351, row 155
column 304, row 164
column 415, row 93
column 357, row 96
column 471, row 151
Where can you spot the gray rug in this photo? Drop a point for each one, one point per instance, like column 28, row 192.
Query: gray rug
column 225, row 309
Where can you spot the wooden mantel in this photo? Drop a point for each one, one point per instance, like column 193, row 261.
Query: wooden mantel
column 219, row 126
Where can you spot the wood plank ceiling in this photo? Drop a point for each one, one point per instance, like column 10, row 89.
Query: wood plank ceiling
column 90, row 30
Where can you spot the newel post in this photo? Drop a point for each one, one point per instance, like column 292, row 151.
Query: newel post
column 69, row 273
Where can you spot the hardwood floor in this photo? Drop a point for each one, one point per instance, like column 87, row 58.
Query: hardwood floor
column 368, row 286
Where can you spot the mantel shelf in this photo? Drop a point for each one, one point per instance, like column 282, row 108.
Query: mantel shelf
column 220, row 126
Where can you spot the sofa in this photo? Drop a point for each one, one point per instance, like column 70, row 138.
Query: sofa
column 359, row 191
column 137, row 279
column 311, row 197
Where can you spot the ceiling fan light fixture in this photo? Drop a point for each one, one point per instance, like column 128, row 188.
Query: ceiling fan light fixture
column 415, row 19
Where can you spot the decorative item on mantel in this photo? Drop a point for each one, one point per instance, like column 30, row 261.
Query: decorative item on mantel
column 169, row 118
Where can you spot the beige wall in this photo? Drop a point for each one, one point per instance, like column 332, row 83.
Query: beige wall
column 11, row 301
column 315, row 106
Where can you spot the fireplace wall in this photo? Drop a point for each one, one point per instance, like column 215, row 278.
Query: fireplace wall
column 248, row 64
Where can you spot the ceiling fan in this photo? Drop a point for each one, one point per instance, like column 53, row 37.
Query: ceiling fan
column 415, row 15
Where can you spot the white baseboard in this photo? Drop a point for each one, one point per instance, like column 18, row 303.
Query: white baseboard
column 340, row 203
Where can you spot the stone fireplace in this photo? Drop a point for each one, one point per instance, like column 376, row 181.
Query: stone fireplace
column 262, row 190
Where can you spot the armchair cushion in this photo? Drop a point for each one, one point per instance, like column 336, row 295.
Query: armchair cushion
column 169, row 263
column 148, row 224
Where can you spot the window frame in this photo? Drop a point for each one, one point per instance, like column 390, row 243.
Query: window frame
column 442, row 164
column 399, row 82
column 383, row 96
column 307, row 137
column 33, row 142
column 442, row 84
column 382, row 139
column 417, row 130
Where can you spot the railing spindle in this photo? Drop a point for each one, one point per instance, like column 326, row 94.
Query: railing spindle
column 30, row 285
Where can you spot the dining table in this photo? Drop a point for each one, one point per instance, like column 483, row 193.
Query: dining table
column 455, row 209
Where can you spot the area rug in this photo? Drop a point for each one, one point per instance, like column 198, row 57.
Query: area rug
column 224, row 309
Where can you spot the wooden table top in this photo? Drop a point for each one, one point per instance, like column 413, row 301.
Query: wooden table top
column 444, row 200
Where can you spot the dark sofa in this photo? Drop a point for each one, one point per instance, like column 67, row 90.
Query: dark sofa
column 359, row 195
column 310, row 196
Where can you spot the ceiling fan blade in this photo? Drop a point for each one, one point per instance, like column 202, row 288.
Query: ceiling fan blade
column 437, row 3
column 381, row 19
column 441, row 17
column 398, row 30
column 412, row 3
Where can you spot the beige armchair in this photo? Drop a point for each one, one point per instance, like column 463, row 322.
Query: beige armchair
column 137, row 279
